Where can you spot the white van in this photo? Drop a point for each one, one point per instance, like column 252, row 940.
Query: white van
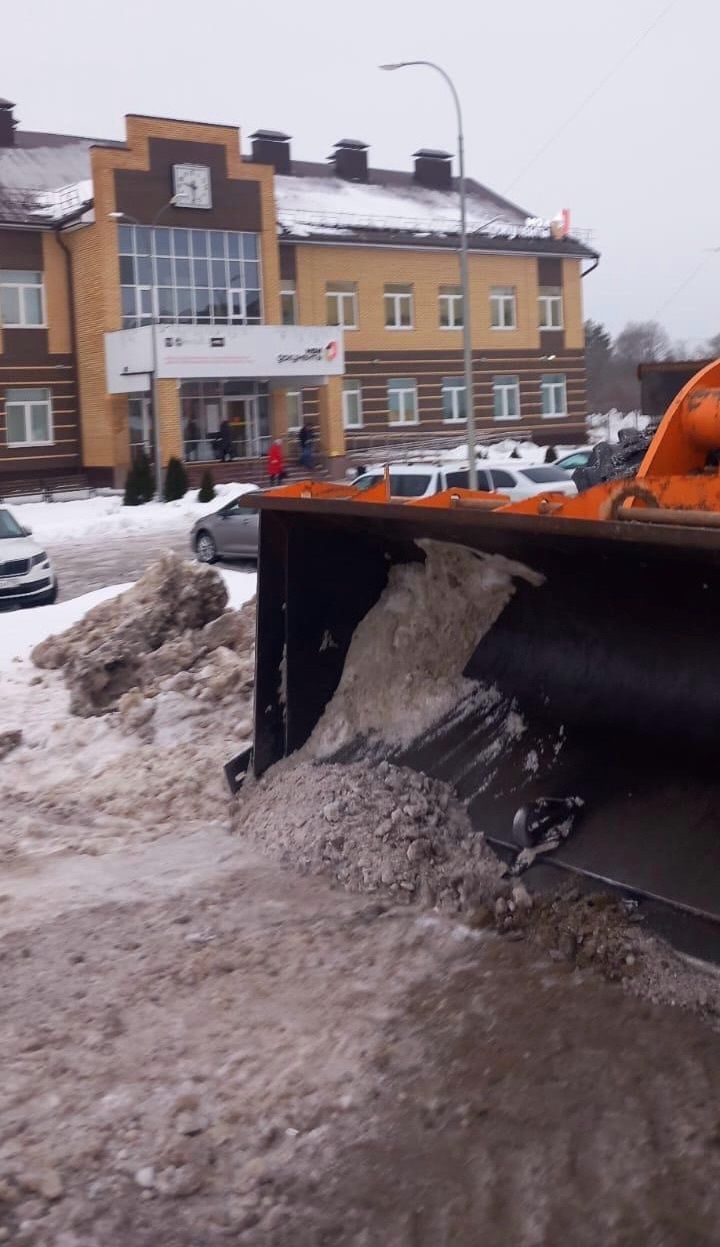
column 513, row 478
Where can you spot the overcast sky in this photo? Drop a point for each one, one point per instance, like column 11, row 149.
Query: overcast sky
column 638, row 165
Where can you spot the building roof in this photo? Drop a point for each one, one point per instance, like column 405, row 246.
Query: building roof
column 392, row 209
column 45, row 179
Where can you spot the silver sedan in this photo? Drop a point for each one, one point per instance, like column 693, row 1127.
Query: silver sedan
column 231, row 532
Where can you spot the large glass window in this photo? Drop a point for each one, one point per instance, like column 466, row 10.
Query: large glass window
column 453, row 399
column 503, row 307
column 341, row 304
column 398, row 307
column 550, row 307
column 22, row 302
column 506, row 398
column 198, row 277
column 224, row 420
column 450, row 302
column 553, row 390
column 402, row 401
column 352, row 403
column 28, row 418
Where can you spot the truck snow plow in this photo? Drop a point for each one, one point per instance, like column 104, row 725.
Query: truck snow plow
column 597, row 730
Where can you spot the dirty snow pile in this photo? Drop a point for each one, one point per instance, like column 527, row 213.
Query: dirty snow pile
column 137, row 707
column 383, row 829
column 404, row 669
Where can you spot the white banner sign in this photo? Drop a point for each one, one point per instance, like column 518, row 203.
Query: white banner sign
column 188, row 352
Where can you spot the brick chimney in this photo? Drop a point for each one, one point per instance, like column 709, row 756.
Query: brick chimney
column 7, row 124
column 350, row 160
column 270, row 147
column 433, row 169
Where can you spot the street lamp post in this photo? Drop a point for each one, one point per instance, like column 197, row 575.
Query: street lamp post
column 464, row 274
column 157, row 446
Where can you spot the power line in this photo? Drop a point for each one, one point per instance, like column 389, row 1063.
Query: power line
column 591, row 95
column 684, row 284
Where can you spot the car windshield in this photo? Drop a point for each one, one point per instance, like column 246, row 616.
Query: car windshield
column 367, row 482
column 9, row 526
column 544, row 476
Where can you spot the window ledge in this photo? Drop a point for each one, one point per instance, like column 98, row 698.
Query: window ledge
column 402, row 424
column 460, row 420
column 27, row 445
column 6, row 325
column 400, row 328
column 504, row 328
column 451, row 328
column 556, row 415
column 502, row 419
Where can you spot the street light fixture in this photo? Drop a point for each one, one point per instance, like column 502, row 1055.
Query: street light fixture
column 157, row 449
column 464, row 276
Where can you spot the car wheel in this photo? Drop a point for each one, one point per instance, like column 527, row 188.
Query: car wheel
column 205, row 547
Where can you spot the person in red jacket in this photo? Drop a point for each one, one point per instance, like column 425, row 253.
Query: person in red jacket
column 276, row 463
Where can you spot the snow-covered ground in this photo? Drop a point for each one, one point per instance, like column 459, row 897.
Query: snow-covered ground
column 22, row 630
column 90, row 518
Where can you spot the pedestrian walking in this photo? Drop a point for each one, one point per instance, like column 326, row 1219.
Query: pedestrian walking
column 276, row 463
column 305, row 439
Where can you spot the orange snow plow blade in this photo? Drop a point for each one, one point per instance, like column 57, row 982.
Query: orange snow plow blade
column 608, row 659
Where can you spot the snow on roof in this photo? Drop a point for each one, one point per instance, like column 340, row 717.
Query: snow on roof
column 44, row 167
column 44, row 177
column 307, row 205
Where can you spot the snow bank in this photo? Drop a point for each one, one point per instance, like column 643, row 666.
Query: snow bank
column 404, row 670
column 107, row 517
column 22, row 630
column 604, row 426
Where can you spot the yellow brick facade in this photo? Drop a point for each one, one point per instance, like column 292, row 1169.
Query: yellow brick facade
column 97, row 282
column 371, row 269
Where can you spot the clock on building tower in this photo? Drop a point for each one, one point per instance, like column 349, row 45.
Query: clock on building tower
column 191, row 185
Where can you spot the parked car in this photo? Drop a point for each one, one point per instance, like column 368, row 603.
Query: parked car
column 578, row 459
column 518, row 481
column 26, row 574
column 230, row 532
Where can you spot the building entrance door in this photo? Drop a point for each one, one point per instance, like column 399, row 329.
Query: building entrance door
column 243, row 416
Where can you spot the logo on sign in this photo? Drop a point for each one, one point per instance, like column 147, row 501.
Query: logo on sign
column 331, row 350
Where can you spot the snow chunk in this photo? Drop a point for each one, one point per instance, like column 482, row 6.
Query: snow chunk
column 404, row 669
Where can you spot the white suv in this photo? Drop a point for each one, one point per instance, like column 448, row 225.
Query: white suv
column 515, row 479
column 26, row 577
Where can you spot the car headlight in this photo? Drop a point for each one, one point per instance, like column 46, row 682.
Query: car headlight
column 38, row 558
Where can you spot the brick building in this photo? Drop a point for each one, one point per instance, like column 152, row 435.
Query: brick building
column 240, row 295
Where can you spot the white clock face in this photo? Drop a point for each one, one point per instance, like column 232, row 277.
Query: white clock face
column 191, row 184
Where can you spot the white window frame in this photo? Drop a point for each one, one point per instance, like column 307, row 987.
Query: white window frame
column 403, row 386
column 550, row 300
column 503, row 386
column 339, row 293
column 21, row 287
column 294, row 428
column 452, row 297
column 552, row 385
column 454, row 386
column 288, row 290
column 502, row 298
column 26, row 404
column 393, row 298
column 352, row 387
